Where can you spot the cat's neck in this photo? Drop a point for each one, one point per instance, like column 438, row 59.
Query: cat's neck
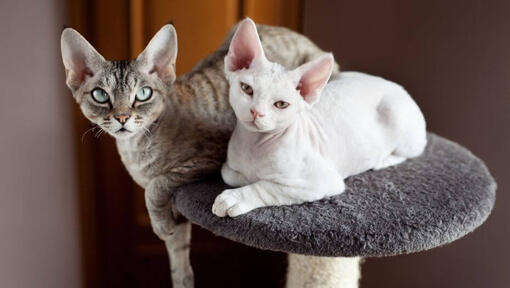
column 304, row 127
column 263, row 138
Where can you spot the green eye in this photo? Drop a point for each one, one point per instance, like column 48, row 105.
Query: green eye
column 281, row 104
column 144, row 94
column 100, row 96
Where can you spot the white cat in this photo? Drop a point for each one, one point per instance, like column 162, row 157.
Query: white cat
column 288, row 147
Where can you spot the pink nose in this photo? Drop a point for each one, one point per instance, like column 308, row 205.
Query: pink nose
column 255, row 114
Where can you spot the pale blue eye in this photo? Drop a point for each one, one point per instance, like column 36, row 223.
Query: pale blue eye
column 100, row 96
column 144, row 94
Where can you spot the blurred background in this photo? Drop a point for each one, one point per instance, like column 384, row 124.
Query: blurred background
column 70, row 216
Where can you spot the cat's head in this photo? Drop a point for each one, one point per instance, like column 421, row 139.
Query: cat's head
column 264, row 95
column 122, row 97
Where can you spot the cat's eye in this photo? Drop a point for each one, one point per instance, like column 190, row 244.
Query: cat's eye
column 247, row 89
column 144, row 94
column 281, row 104
column 100, row 96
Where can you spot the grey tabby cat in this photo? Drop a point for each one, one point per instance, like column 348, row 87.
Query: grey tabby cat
column 169, row 131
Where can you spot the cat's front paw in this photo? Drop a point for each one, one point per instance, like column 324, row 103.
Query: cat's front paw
column 230, row 202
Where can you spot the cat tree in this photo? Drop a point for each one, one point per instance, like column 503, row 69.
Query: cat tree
column 420, row 204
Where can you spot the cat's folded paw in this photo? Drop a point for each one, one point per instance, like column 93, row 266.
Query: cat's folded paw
column 163, row 229
column 230, row 203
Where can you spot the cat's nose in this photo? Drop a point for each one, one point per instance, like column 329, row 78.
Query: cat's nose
column 122, row 118
column 255, row 114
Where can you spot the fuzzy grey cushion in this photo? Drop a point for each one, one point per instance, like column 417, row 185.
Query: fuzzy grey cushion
column 420, row 204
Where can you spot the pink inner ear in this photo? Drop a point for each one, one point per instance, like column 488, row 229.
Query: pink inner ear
column 314, row 77
column 86, row 72
column 241, row 58
column 309, row 83
column 162, row 66
column 244, row 47
column 79, row 72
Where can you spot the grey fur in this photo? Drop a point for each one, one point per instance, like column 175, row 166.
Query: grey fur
column 420, row 204
column 188, row 126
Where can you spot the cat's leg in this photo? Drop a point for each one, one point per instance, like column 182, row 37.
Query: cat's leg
column 172, row 228
column 389, row 161
column 232, row 177
column 159, row 205
column 178, row 248
column 234, row 202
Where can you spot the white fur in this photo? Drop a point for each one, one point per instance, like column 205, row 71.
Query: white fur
column 304, row 152
column 323, row 272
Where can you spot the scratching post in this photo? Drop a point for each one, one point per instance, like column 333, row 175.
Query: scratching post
column 420, row 204
column 322, row 272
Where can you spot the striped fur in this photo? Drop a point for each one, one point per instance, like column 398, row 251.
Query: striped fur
column 188, row 126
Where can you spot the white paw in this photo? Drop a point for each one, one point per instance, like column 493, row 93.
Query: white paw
column 391, row 160
column 230, row 203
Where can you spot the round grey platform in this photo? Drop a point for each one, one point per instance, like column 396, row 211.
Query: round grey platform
column 420, row 204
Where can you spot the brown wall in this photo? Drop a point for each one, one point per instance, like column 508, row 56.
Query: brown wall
column 454, row 58
column 39, row 231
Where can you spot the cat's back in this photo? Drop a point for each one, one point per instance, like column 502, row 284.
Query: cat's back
column 359, row 85
column 350, row 105
column 355, row 92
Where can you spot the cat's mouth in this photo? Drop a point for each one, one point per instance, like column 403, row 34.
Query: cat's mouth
column 122, row 131
column 251, row 124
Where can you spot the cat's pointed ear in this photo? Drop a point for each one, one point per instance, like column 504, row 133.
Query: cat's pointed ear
column 245, row 47
column 160, row 54
column 313, row 76
column 80, row 59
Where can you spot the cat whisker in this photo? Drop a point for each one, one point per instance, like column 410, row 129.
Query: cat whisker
column 87, row 131
column 99, row 133
column 148, row 131
column 153, row 124
column 102, row 133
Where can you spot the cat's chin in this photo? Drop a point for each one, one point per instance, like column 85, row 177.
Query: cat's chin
column 123, row 134
column 253, row 127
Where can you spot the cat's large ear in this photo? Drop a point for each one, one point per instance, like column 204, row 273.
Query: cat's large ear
column 80, row 59
column 160, row 54
column 313, row 76
column 245, row 47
